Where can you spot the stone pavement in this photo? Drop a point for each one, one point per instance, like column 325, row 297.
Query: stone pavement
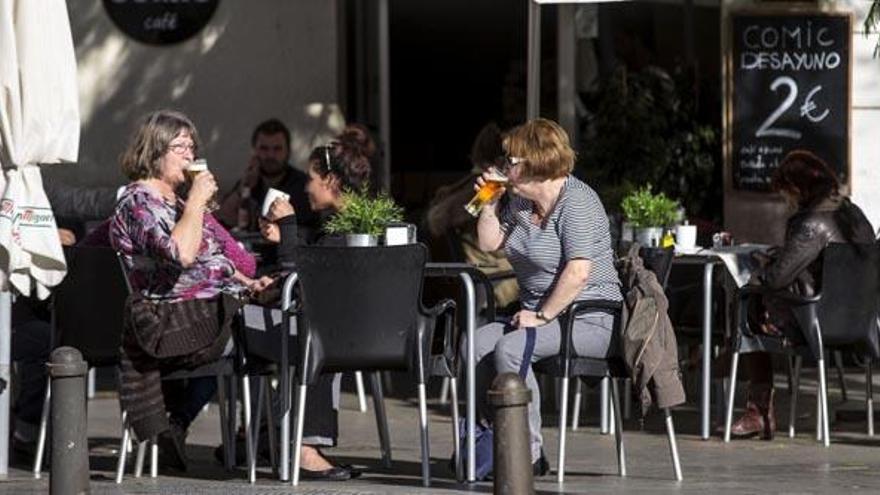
column 799, row 465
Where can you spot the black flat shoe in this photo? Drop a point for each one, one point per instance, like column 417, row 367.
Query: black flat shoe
column 336, row 473
column 541, row 466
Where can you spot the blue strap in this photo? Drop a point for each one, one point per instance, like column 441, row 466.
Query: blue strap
column 527, row 352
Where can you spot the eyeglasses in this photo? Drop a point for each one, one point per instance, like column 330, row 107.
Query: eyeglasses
column 181, row 148
column 508, row 162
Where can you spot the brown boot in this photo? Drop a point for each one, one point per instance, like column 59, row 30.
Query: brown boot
column 760, row 415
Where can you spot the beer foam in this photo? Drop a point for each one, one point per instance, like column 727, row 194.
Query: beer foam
column 197, row 165
column 496, row 176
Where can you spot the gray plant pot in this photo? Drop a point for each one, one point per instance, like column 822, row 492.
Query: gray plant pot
column 361, row 240
column 650, row 236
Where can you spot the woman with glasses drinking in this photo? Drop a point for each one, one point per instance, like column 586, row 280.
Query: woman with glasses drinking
column 555, row 233
column 172, row 254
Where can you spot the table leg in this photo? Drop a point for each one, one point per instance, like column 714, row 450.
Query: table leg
column 705, row 412
column 471, row 374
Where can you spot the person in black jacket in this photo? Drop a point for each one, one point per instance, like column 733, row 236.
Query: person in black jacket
column 822, row 216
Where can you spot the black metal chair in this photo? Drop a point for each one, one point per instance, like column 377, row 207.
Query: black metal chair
column 567, row 364
column 842, row 316
column 360, row 309
column 86, row 314
column 226, row 370
column 659, row 261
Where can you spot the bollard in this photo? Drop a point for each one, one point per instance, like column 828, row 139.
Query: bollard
column 69, row 473
column 511, row 450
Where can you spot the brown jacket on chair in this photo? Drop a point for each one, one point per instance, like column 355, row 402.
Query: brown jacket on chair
column 648, row 339
column 161, row 337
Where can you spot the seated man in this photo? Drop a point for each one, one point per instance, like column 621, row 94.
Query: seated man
column 268, row 167
column 447, row 218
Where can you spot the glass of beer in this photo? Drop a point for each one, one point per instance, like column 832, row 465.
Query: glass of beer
column 194, row 168
column 488, row 193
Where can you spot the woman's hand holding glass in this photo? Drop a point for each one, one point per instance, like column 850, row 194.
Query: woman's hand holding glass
column 202, row 190
column 489, row 186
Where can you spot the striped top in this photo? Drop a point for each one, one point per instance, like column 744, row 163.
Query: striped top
column 577, row 228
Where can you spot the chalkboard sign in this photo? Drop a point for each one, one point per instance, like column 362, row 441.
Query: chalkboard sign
column 160, row 22
column 790, row 89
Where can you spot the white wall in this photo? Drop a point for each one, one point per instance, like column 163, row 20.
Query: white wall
column 741, row 209
column 254, row 60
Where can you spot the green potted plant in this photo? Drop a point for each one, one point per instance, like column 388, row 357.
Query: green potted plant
column 363, row 217
column 649, row 214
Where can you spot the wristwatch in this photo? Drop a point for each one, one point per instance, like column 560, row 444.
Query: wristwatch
column 540, row 315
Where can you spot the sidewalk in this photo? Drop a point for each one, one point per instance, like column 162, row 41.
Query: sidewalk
column 799, row 465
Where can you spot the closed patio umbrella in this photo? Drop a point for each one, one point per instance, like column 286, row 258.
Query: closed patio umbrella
column 39, row 123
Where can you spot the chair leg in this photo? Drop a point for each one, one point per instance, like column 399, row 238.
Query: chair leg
column 869, row 394
column 576, row 407
column 673, row 444
column 381, row 418
column 456, row 438
column 257, row 417
column 838, row 363
column 248, row 434
column 232, row 418
column 225, row 434
column 298, row 433
column 444, row 391
column 123, row 448
column 423, row 429
column 139, row 460
column 154, row 457
column 603, row 407
column 793, row 394
column 270, row 424
column 618, row 429
column 563, row 422
column 728, row 419
column 627, row 398
column 44, row 424
column 362, row 396
column 823, row 400
column 818, row 412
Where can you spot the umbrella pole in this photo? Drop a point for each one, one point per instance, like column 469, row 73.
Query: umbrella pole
column 5, row 377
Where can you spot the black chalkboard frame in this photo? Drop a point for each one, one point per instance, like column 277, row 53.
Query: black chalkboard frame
column 776, row 10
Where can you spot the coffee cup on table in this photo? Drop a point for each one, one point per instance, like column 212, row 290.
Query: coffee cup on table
column 686, row 237
column 271, row 196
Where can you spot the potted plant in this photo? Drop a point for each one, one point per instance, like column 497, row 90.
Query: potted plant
column 363, row 217
column 649, row 214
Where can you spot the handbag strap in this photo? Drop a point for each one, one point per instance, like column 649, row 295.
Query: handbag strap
column 528, row 349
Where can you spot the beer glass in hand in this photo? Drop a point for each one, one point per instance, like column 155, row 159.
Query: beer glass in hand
column 495, row 182
column 194, row 168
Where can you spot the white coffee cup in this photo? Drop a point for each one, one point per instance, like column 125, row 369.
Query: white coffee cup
column 686, row 236
column 271, row 196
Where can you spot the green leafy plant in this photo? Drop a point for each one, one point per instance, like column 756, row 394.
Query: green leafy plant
column 644, row 209
column 363, row 213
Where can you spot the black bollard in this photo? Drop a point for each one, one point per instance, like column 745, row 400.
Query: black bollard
column 511, row 450
column 70, row 452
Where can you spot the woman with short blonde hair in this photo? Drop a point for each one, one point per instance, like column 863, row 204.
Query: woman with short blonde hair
column 555, row 234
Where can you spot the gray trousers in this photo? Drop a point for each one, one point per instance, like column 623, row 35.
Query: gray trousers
column 500, row 352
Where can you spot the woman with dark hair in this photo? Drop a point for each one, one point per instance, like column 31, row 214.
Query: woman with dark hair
column 344, row 164
column 822, row 215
